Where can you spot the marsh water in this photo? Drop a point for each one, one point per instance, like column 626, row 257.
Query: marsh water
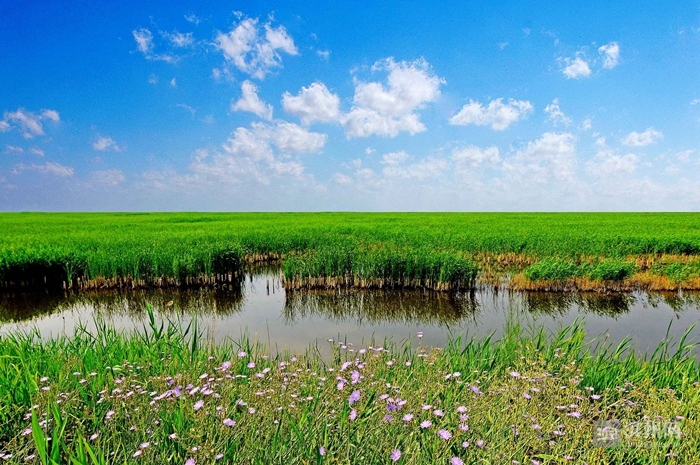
column 262, row 310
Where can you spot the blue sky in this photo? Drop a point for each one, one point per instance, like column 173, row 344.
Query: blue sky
column 395, row 106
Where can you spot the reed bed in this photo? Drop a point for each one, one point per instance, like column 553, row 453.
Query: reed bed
column 164, row 394
column 428, row 250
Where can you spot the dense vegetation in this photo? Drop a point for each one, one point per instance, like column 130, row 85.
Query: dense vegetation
column 163, row 395
column 435, row 250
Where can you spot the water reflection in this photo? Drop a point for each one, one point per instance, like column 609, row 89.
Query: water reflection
column 261, row 308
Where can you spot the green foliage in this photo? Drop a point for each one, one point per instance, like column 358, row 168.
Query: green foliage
column 552, row 269
column 63, row 247
column 110, row 397
column 611, row 270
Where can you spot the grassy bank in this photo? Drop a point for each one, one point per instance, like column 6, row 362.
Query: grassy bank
column 428, row 250
column 165, row 395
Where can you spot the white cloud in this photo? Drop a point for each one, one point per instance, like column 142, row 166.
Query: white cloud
column 27, row 122
column 173, row 82
column 386, row 110
column 153, row 79
column 325, row 54
column 144, row 44
column 253, row 52
column 472, row 156
column 611, row 54
column 36, row 151
column 109, row 178
column 51, row 168
column 13, row 149
column 496, row 114
column 394, row 166
column 260, row 153
column 695, row 101
column 552, row 156
column 192, row 18
column 641, row 139
column 606, row 164
column 556, row 116
column 178, row 39
column 250, row 102
column 576, row 68
column 587, row 124
column 184, row 106
column 313, row 103
column 105, row 144
column 502, row 45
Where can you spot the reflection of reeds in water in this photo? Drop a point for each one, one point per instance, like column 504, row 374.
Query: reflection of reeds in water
column 381, row 306
column 16, row 307
column 553, row 303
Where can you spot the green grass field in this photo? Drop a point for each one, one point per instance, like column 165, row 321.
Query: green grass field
column 165, row 395
column 434, row 250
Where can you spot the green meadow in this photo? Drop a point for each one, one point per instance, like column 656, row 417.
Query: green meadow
column 442, row 251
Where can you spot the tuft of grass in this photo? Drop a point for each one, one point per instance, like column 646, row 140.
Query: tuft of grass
column 162, row 394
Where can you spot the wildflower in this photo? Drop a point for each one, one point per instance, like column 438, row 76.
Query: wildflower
column 465, row 444
column 109, row 414
column 145, row 445
column 355, row 377
column 190, row 461
column 137, row 453
column 444, row 434
column 527, row 396
column 322, row 450
column 595, row 397
column 536, row 427
column 354, row 397
column 408, row 417
column 463, row 427
column 426, row 424
column 456, row 461
column 242, row 354
column 480, row 443
column 461, row 409
column 225, row 366
column 251, row 410
column 395, row 455
column 199, row 404
column 173, row 436
column 218, row 456
column 574, row 414
column 353, row 414
column 93, row 437
column 229, row 422
column 420, row 334
column 515, row 374
column 388, row 418
column 251, row 365
column 438, row 413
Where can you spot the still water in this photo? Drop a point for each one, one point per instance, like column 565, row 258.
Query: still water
column 262, row 310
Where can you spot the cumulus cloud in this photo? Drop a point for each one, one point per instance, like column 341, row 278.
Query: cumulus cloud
column 552, row 156
column 641, row 139
column 385, row 109
column 30, row 124
column 313, row 103
column 496, row 114
column 145, row 45
column 108, row 178
column 576, row 68
column 255, row 50
column 250, row 102
column 51, row 168
column 105, row 144
column 472, row 156
column 611, row 54
column 556, row 116
column 606, row 164
column 263, row 152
